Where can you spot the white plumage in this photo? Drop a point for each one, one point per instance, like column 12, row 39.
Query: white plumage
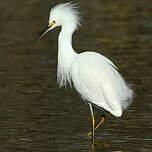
column 98, row 82
column 94, row 76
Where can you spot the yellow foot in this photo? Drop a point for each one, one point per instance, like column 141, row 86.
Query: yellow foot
column 90, row 134
column 92, row 147
column 97, row 125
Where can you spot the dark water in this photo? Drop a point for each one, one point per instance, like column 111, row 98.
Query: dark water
column 36, row 116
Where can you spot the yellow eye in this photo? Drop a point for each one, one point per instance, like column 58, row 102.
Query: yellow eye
column 52, row 23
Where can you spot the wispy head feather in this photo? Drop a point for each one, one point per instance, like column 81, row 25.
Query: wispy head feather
column 66, row 14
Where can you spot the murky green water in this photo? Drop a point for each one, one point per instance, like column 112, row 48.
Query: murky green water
column 36, row 116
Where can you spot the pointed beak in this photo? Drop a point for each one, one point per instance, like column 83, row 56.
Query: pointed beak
column 43, row 32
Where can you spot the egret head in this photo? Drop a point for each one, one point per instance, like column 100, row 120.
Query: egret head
column 64, row 15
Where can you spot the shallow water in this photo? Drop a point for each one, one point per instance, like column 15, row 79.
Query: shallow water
column 35, row 115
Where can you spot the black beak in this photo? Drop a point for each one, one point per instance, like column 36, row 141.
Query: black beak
column 42, row 33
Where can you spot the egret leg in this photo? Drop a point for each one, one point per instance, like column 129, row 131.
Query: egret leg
column 93, row 125
column 100, row 122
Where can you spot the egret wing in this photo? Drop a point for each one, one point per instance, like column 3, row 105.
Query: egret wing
column 96, row 79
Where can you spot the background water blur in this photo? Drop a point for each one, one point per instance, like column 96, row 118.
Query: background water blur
column 35, row 115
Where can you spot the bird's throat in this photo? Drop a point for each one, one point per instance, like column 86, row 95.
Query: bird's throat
column 66, row 56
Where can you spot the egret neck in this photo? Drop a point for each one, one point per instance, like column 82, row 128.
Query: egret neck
column 66, row 55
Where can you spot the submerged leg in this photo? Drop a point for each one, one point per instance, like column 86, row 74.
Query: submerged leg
column 97, row 125
column 93, row 124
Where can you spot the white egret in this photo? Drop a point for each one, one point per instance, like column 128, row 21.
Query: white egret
column 94, row 76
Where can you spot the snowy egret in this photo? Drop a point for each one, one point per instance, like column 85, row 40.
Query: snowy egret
column 94, row 76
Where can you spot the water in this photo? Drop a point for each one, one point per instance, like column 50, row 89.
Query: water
column 35, row 115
